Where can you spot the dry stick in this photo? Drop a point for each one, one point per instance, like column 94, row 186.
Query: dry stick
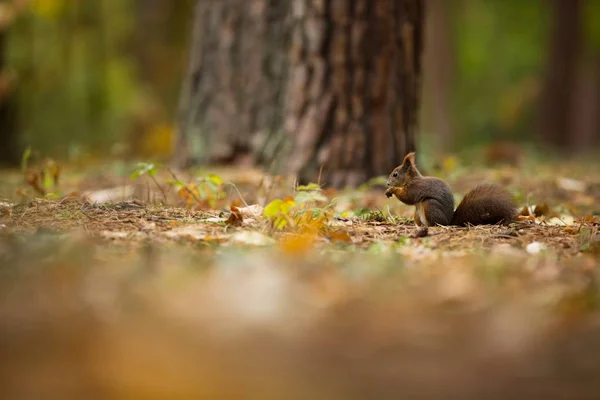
column 320, row 173
column 238, row 192
column 160, row 188
column 185, row 186
column 147, row 192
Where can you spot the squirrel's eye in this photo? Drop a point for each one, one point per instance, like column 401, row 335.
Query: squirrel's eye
column 395, row 174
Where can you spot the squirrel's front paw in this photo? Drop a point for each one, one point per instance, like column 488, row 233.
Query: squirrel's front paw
column 390, row 191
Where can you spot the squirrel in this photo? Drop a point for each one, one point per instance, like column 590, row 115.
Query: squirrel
column 486, row 204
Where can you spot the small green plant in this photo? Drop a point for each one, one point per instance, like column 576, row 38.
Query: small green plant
column 44, row 177
column 205, row 191
column 309, row 209
column 149, row 169
column 143, row 168
column 370, row 215
column 25, row 159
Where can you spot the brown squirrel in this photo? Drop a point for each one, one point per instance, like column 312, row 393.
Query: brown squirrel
column 486, row 204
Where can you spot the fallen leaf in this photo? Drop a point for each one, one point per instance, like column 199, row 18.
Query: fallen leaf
column 525, row 212
column 541, row 209
column 253, row 211
column 572, row 230
column 563, row 220
column 235, row 217
column 591, row 219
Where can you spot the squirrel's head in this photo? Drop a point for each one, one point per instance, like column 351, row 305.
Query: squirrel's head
column 404, row 173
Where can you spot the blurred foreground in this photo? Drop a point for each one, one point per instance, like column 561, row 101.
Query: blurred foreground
column 83, row 318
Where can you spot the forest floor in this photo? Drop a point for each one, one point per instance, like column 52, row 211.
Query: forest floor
column 231, row 284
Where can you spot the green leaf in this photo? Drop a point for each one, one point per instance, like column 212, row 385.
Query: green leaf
column 25, row 158
column 177, row 183
column 304, row 197
column 309, row 187
column 143, row 169
column 135, row 175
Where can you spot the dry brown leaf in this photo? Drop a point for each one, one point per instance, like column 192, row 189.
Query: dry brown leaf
column 590, row 219
column 32, row 178
column 235, row 217
column 572, row 230
column 541, row 209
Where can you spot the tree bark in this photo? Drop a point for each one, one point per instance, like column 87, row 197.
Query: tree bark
column 352, row 107
column 9, row 147
column 586, row 118
column 231, row 96
column 563, row 60
column 323, row 88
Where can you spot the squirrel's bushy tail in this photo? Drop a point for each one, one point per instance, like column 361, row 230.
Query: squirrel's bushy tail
column 487, row 204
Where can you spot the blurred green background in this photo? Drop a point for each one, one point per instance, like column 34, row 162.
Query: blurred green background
column 103, row 77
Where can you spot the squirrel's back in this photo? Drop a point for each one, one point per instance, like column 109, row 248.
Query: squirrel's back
column 487, row 204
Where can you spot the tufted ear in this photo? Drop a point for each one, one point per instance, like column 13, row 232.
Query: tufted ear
column 409, row 160
column 409, row 165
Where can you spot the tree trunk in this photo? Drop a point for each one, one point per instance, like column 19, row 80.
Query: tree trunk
column 558, row 92
column 352, row 107
column 338, row 100
column 231, row 96
column 585, row 129
column 9, row 148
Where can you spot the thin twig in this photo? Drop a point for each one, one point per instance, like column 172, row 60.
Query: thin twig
column 238, row 192
column 160, row 188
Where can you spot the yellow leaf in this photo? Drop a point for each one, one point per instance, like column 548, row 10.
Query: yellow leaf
column 273, row 208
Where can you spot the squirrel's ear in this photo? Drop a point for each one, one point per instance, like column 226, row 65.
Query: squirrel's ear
column 409, row 160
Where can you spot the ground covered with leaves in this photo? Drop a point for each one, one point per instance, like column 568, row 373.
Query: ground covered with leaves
column 138, row 281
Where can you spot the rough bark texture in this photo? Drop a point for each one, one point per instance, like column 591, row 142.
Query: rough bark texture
column 9, row 146
column 558, row 92
column 586, row 117
column 231, row 97
column 352, row 107
column 322, row 86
